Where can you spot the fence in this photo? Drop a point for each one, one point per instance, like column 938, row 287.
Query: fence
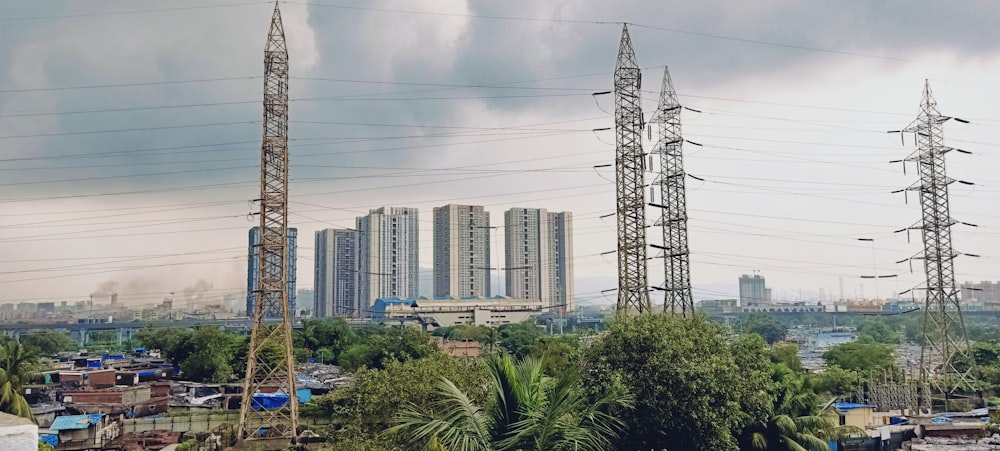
column 200, row 422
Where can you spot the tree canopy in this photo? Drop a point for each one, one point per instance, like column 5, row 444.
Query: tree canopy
column 765, row 325
column 857, row 356
column 694, row 388
column 526, row 410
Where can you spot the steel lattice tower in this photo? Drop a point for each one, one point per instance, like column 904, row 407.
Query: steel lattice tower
column 946, row 362
column 633, row 289
column 673, row 217
column 270, row 373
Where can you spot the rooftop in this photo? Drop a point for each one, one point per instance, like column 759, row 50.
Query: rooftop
column 75, row 421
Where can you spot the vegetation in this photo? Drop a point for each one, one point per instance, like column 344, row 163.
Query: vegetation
column 526, row 411
column 367, row 407
column 652, row 381
column 764, row 325
column 47, row 342
column 204, row 354
column 876, row 330
column 858, row 356
column 694, row 388
column 17, row 368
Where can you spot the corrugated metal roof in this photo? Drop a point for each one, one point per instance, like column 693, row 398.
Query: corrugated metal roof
column 67, row 422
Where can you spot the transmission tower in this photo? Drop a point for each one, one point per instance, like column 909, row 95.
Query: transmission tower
column 267, row 373
column 673, row 209
column 633, row 290
column 946, row 362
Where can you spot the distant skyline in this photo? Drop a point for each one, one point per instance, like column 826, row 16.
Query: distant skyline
column 130, row 133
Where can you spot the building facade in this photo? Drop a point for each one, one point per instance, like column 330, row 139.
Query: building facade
column 253, row 266
column 753, row 291
column 388, row 254
column 336, row 273
column 539, row 256
column 985, row 292
column 461, row 251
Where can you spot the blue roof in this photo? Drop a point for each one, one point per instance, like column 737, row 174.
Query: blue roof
column 850, row 405
column 75, row 421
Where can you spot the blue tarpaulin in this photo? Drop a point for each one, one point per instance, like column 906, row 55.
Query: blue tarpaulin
column 269, row 401
column 842, row 406
column 147, row 373
column 50, row 439
column 304, row 395
column 93, row 364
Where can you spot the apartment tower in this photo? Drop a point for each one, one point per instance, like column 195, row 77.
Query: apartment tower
column 388, row 263
column 461, row 251
column 539, row 256
column 336, row 273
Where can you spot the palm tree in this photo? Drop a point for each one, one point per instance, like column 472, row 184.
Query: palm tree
column 797, row 421
column 16, row 369
column 530, row 411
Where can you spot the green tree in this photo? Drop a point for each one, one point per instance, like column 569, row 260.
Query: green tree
column 333, row 333
column 764, row 325
column 858, row 356
column 47, row 342
column 836, row 381
column 558, row 353
column 694, row 388
column 378, row 346
column 795, row 421
column 527, row 411
column 367, row 407
column 788, row 354
column 17, row 368
column 211, row 357
column 517, row 339
column 877, row 331
column 172, row 342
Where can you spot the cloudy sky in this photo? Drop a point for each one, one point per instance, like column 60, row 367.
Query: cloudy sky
column 129, row 132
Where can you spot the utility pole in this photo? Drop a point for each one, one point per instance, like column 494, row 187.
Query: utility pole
column 673, row 216
column 947, row 366
column 265, row 374
column 633, row 288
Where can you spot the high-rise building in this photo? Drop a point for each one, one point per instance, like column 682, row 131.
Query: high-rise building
column 461, row 251
column 388, row 263
column 753, row 291
column 561, row 229
column 336, row 273
column 539, row 256
column 253, row 270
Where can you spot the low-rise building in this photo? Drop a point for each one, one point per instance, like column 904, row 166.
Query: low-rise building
column 495, row 311
column 857, row 415
column 76, row 432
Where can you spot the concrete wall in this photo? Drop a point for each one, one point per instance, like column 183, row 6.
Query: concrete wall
column 101, row 379
column 198, row 423
column 17, row 433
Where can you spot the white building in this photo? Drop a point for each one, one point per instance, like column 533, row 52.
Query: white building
column 461, row 251
column 388, row 263
column 449, row 312
column 336, row 273
column 539, row 256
